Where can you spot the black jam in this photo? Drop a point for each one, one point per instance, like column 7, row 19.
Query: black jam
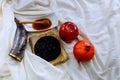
column 48, row 48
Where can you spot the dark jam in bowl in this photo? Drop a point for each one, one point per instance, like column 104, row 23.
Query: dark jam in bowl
column 40, row 26
column 48, row 48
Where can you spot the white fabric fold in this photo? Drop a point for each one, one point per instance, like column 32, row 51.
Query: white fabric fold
column 98, row 21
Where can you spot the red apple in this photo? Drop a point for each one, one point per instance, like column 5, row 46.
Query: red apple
column 68, row 32
column 83, row 50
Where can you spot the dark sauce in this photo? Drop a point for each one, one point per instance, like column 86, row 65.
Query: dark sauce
column 40, row 26
column 48, row 48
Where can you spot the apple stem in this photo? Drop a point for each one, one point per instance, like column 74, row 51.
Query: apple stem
column 87, row 48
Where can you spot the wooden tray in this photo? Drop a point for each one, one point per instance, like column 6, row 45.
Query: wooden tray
column 63, row 55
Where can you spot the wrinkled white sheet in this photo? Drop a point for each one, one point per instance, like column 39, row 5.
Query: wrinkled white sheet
column 98, row 21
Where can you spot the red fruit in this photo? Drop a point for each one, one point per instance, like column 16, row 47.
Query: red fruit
column 68, row 32
column 83, row 50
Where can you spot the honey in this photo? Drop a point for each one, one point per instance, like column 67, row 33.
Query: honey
column 41, row 24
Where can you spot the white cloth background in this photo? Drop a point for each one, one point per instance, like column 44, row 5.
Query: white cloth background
column 98, row 21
